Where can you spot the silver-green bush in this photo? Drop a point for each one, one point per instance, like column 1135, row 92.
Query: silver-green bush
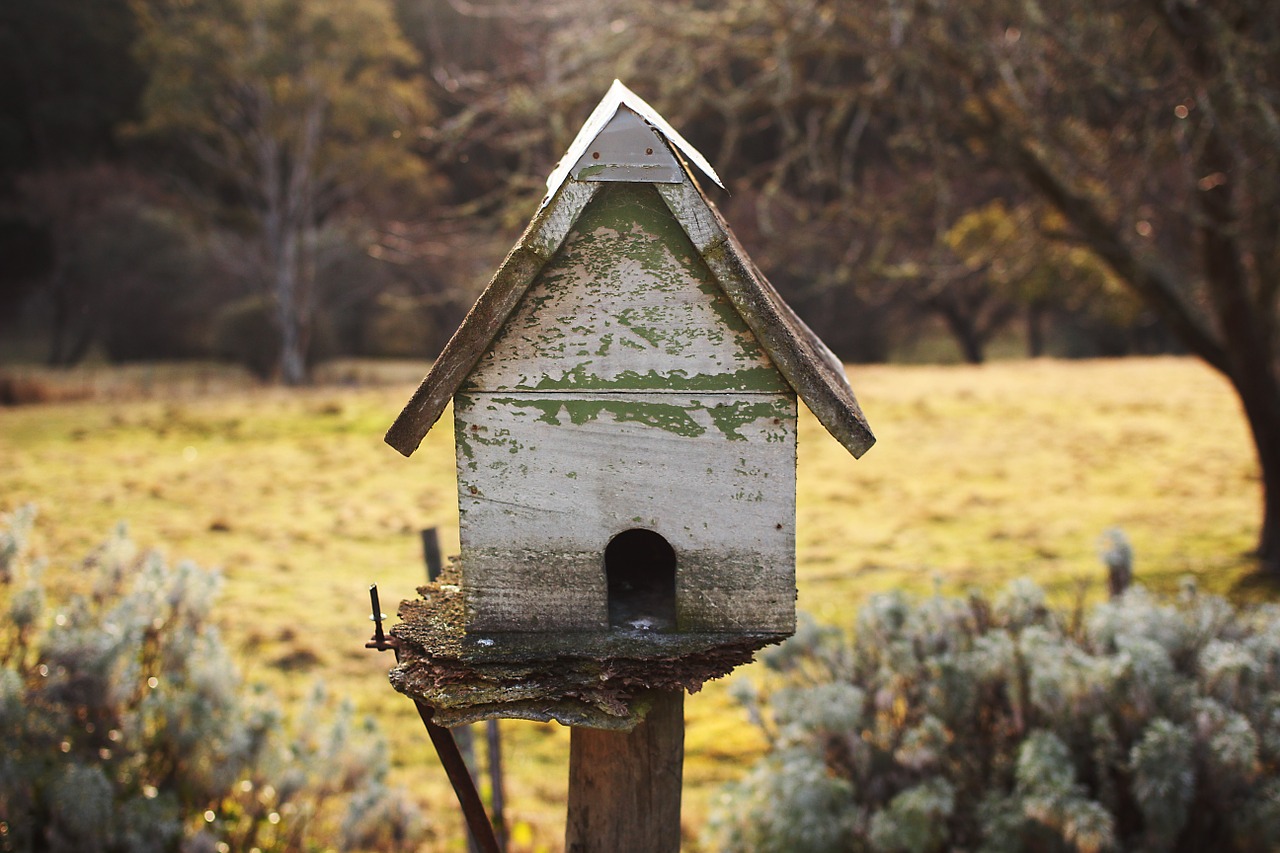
column 124, row 725
column 1004, row 726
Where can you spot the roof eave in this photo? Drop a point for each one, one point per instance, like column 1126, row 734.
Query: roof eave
column 539, row 242
column 804, row 361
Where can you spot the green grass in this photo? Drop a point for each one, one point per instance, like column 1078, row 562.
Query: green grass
column 980, row 475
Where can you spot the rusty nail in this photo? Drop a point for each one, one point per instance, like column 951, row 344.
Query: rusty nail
column 377, row 617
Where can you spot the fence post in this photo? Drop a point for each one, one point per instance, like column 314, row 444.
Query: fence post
column 624, row 787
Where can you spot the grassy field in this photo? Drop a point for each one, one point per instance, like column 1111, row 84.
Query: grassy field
column 981, row 475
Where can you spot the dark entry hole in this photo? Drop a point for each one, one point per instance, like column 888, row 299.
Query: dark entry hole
column 641, row 570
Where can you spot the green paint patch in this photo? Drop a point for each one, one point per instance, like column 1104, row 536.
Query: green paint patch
column 627, row 266
column 730, row 417
column 664, row 416
column 751, row 380
column 678, row 419
column 628, row 319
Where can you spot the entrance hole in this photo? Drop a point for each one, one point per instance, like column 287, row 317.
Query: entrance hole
column 640, row 567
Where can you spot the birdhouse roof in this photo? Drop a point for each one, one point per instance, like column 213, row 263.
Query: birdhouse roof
column 808, row 366
column 616, row 114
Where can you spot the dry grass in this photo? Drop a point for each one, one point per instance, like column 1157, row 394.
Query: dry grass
column 980, row 475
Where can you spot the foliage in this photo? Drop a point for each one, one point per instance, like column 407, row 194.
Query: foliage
column 126, row 267
column 127, row 727
column 1151, row 129
column 66, row 81
column 1006, row 247
column 1003, row 725
column 241, row 332
column 299, row 108
column 161, row 280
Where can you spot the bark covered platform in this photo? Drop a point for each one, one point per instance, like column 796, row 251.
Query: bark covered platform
column 598, row 679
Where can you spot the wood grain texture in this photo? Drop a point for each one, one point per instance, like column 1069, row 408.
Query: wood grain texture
column 552, row 224
column 625, row 787
column 540, row 241
column 692, row 210
column 546, row 480
column 627, row 304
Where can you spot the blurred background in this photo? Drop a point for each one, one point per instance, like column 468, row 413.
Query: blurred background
column 1044, row 234
column 277, row 183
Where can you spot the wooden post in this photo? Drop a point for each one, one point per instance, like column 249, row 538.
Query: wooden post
column 464, row 738
column 497, row 793
column 431, row 553
column 624, row 787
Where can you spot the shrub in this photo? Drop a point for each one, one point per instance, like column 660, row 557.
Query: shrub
column 126, row 727
column 243, row 332
column 1004, row 726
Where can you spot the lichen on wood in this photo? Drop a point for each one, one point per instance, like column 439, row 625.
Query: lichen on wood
column 598, row 679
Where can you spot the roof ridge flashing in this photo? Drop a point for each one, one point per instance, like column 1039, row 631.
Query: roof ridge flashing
column 620, row 96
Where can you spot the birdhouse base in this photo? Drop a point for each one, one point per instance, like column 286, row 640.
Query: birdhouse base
column 596, row 679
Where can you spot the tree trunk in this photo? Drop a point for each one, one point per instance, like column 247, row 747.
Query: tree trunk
column 1242, row 351
column 624, row 787
column 1268, row 439
column 1245, row 330
column 1262, row 411
column 72, row 324
column 1035, row 330
column 965, row 331
column 293, row 364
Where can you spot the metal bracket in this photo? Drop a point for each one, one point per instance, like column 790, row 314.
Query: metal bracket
column 446, row 747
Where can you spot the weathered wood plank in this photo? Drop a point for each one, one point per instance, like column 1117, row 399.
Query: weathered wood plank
column 693, row 211
column 624, row 787
column 552, row 224
column 463, row 349
column 712, row 473
column 546, row 480
column 809, row 367
column 541, row 240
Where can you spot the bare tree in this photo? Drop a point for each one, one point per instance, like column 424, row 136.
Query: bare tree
column 299, row 107
column 1153, row 128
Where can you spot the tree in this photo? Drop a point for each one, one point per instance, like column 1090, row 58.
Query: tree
column 1046, row 277
column 70, row 207
column 1152, row 129
column 66, row 81
column 299, row 107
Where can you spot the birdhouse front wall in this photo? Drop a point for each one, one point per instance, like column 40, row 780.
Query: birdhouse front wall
column 626, row 393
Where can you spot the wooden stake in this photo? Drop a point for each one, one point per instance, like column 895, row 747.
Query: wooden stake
column 497, row 793
column 624, row 787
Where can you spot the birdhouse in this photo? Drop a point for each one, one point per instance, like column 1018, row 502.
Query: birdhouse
column 625, row 408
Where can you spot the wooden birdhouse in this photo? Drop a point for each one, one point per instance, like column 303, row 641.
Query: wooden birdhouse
column 624, row 399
